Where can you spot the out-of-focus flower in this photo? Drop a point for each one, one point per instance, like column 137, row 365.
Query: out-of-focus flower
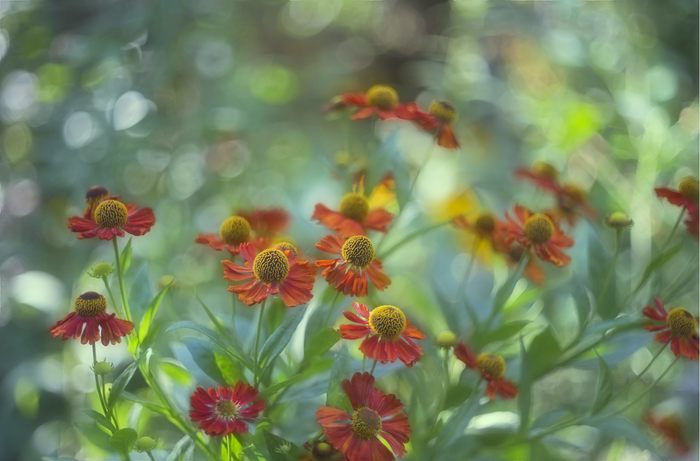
column 446, row 340
column 670, row 427
column 542, row 174
column 539, row 233
column 225, row 410
column 376, row 419
column 480, row 233
column 618, row 220
column 514, row 253
column 258, row 227
column 91, row 323
column 492, row 368
column 685, row 197
column 437, row 120
column 379, row 100
column 355, row 265
column 678, row 326
column 274, row 271
column 321, row 451
column 357, row 213
column 387, row 334
column 107, row 217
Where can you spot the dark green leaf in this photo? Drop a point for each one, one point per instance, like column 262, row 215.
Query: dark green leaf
column 604, row 388
column 280, row 449
column 508, row 286
column 457, row 422
column 120, row 383
column 619, row 427
column 216, row 338
column 657, row 263
column 125, row 257
column 321, row 341
column 228, row 368
column 542, row 353
column 123, row 440
column 524, row 387
column 503, row 332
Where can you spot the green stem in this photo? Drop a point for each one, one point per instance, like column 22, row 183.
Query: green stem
column 257, row 343
column 496, row 309
column 411, row 236
column 112, row 299
column 100, row 390
column 374, row 365
column 463, row 283
column 150, row 455
column 646, row 391
column 120, row 276
column 646, row 368
column 331, row 309
column 611, row 271
column 674, row 229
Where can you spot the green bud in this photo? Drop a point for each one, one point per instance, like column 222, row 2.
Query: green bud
column 322, row 449
column 145, row 444
column 446, row 339
column 100, row 270
column 166, row 281
column 102, row 368
column 618, row 220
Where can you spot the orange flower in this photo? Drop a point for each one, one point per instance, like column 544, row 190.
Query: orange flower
column 492, row 368
column 379, row 100
column 258, row 227
column 275, row 271
column 388, row 335
column 483, row 229
column 107, row 217
column 678, row 327
column 437, row 121
column 670, row 427
column 686, row 197
column 357, row 214
column 542, row 174
column 355, row 265
column 539, row 233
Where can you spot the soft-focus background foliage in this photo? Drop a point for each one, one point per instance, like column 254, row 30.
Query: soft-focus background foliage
column 200, row 108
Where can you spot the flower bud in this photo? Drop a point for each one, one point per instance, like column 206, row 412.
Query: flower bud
column 145, row 444
column 100, row 270
column 446, row 339
column 102, row 368
column 618, row 220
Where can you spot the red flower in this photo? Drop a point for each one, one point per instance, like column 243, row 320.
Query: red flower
column 387, row 334
column 349, row 273
column 670, row 427
column 437, row 121
column 357, row 214
column 678, row 327
column 686, row 197
column 538, row 232
column 90, row 322
column 258, row 227
column 274, row 271
column 376, row 418
column 379, row 100
column 542, row 174
column 107, row 217
column 226, row 410
column 492, row 368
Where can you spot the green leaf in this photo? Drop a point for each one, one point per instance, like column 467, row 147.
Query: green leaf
column 180, row 448
column 149, row 315
column 318, row 366
column 154, row 407
column 524, row 387
column 120, row 383
column 228, row 368
column 216, row 338
column 329, row 300
column 278, row 340
column 175, row 371
column 123, row 440
column 604, row 387
column 508, row 286
column 280, row 449
column 457, row 422
column 503, row 332
column 100, row 419
column 617, row 426
column 543, row 352
column 203, row 356
column 320, row 342
column 125, row 257
column 657, row 263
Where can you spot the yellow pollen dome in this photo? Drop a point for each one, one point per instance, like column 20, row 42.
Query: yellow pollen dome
column 545, row 169
column 111, row 214
column 443, row 111
column 235, row 230
column 382, row 97
column 90, row 304
column 366, row 423
column 688, row 187
column 271, row 266
column 485, row 224
column 387, row 321
column 539, row 228
column 354, row 206
column 492, row 365
column 358, row 251
column 226, row 409
column 682, row 323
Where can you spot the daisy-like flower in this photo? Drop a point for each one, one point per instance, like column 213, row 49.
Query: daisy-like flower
column 677, row 326
column 358, row 213
column 258, row 227
column 387, row 334
column 480, row 232
column 670, row 427
column 542, row 174
column 355, row 265
column 379, row 100
column 437, row 120
column 107, row 217
column 538, row 232
column 492, row 368
column 278, row 270
column 90, row 322
column 376, row 430
column 225, row 410
column 685, row 197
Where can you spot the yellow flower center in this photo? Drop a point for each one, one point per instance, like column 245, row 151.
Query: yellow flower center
column 235, row 230
column 539, row 228
column 226, row 409
column 387, row 321
column 545, row 169
column 271, row 266
column 366, row 423
column 354, row 206
column 358, row 251
column 443, row 111
column 111, row 214
column 689, row 188
column 492, row 365
column 90, row 304
column 382, row 97
column 485, row 224
column 682, row 323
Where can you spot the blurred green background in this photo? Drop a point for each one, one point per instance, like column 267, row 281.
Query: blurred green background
column 201, row 108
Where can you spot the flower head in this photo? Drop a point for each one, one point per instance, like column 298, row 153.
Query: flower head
column 544, row 175
column 355, row 265
column 514, row 253
column 377, row 428
column 225, row 410
column 258, row 227
column 437, row 121
column 387, row 334
column 677, row 326
column 538, row 232
column 379, row 100
column 107, row 217
column 670, row 427
column 686, row 197
column 90, row 322
column 358, row 213
column 274, row 271
column 492, row 368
